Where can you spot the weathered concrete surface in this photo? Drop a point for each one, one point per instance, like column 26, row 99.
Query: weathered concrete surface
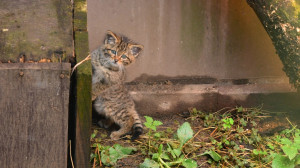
column 36, row 29
column 165, row 99
column 183, row 38
column 214, row 53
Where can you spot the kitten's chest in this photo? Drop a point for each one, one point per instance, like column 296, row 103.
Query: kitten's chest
column 113, row 77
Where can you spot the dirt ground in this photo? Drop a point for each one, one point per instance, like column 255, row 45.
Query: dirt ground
column 266, row 126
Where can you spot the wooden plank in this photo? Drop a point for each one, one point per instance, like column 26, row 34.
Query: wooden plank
column 80, row 15
column 34, row 102
column 36, row 29
column 83, row 88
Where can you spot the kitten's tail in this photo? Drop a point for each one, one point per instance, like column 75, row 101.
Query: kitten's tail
column 137, row 128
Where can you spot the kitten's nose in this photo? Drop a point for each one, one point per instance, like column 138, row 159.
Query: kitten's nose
column 116, row 60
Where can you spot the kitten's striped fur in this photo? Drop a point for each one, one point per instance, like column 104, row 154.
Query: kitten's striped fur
column 110, row 97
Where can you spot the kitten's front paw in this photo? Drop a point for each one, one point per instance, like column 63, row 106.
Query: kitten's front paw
column 114, row 136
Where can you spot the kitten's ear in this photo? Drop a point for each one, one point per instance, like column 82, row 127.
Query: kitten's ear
column 111, row 38
column 136, row 49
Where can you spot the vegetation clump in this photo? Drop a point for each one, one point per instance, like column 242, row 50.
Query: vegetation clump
column 226, row 138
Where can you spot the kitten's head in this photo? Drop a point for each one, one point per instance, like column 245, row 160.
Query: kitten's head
column 120, row 48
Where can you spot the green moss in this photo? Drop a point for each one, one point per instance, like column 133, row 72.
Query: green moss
column 27, row 34
column 82, row 51
column 80, row 15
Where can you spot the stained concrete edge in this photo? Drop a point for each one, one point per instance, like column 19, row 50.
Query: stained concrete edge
column 173, row 99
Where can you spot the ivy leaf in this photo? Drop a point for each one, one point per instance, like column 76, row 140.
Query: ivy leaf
column 148, row 163
column 118, row 152
column 290, row 150
column 189, row 163
column 105, row 158
column 184, row 133
column 282, row 161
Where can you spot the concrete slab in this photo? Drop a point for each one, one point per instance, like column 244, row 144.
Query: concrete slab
column 164, row 99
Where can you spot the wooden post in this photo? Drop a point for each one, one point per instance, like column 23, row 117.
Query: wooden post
column 34, row 102
column 34, row 97
column 83, row 87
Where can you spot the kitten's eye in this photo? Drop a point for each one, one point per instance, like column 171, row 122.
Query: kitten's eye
column 124, row 56
column 113, row 51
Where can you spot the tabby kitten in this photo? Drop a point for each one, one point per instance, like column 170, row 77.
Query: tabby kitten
column 110, row 97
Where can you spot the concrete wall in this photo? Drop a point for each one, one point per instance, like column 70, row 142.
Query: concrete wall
column 188, row 38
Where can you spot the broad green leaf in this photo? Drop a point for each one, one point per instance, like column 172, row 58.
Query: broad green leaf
column 297, row 142
column 157, row 135
column 165, row 156
column 189, row 163
column 255, row 152
column 170, row 150
column 148, row 163
column 157, row 123
column 290, row 150
column 149, row 119
column 184, row 133
column 117, row 152
column 151, row 124
column 92, row 156
column 285, row 141
column 105, row 158
column 231, row 121
column 93, row 135
column 271, row 146
column 213, row 154
column 155, row 156
column 177, row 152
column 282, row 162
column 243, row 122
column 160, row 148
column 240, row 109
column 297, row 160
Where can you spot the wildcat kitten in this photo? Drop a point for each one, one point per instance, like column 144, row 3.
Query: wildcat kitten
column 111, row 98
